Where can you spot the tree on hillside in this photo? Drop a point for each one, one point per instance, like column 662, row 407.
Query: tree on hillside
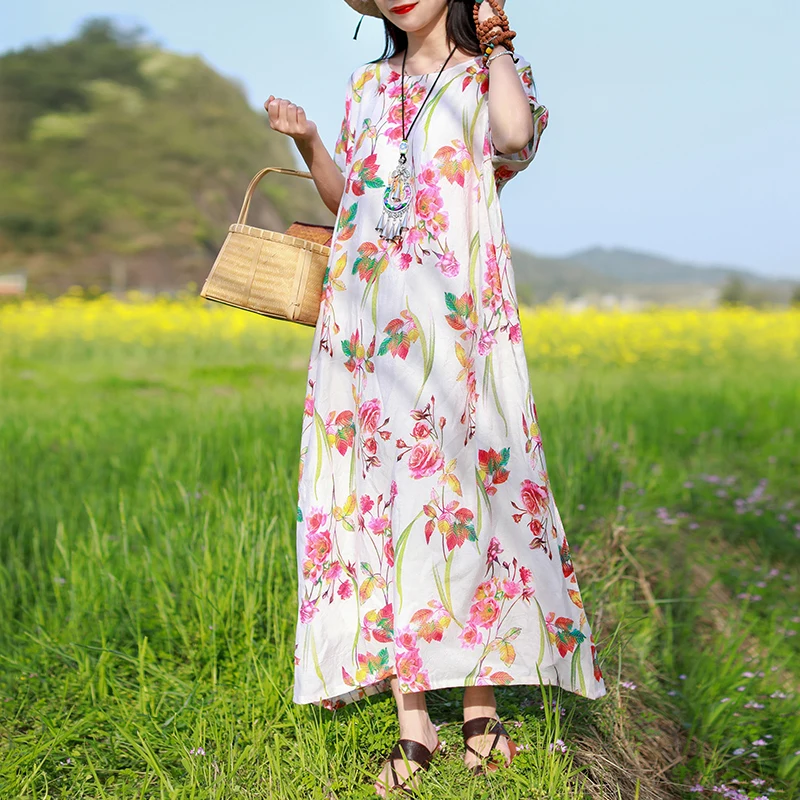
column 54, row 78
column 733, row 292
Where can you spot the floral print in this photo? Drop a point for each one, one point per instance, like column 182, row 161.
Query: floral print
column 429, row 544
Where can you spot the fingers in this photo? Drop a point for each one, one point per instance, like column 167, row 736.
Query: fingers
column 285, row 117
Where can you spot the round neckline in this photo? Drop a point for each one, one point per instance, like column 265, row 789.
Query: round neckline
column 436, row 72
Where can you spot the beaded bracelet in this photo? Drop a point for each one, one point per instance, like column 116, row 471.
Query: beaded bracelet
column 485, row 30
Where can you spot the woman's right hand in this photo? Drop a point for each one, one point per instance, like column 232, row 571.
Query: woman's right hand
column 286, row 117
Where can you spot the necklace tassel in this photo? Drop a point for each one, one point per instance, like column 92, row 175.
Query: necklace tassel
column 392, row 223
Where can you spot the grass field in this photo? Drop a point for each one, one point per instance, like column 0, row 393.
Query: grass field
column 148, row 463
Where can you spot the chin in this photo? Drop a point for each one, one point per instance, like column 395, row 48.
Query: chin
column 423, row 13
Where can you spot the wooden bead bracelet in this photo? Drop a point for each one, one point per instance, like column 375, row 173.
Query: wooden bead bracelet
column 487, row 38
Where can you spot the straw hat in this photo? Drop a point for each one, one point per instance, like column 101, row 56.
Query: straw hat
column 367, row 7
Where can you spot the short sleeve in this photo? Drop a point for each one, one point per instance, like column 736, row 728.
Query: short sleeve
column 343, row 151
column 507, row 165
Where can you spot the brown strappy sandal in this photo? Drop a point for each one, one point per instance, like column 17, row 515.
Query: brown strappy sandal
column 414, row 751
column 478, row 727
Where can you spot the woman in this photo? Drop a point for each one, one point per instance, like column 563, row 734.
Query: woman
column 430, row 549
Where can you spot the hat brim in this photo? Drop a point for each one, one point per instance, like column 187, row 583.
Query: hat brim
column 367, row 7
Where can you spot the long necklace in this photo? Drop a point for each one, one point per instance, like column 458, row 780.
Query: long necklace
column 399, row 190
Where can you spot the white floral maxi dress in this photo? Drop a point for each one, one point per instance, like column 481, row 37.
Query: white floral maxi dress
column 429, row 545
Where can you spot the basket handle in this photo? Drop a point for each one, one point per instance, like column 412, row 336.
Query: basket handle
column 252, row 187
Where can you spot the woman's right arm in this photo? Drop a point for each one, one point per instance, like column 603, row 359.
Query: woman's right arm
column 287, row 118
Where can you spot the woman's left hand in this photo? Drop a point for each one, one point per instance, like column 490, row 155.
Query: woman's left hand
column 487, row 11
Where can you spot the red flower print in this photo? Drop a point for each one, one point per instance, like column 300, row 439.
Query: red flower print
column 421, row 430
column 534, row 496
column 485, row 613
column 345, row 590
column 315, row 519
column 494, row 549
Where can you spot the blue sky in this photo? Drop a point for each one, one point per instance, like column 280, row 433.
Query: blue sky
column 673, row 127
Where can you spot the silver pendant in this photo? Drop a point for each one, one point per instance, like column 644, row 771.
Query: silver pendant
column 396, row 199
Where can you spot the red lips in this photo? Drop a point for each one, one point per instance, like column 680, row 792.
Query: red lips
column 403, row 9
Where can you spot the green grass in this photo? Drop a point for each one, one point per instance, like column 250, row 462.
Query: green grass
column 147, row 586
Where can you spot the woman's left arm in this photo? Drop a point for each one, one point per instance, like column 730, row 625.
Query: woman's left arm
column 509, row 107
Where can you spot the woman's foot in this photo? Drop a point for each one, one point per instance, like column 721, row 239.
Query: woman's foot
column 479, row 701
column 426, row 735
column 415, row 724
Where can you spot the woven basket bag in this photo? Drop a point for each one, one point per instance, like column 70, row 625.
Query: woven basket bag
column 274, row 274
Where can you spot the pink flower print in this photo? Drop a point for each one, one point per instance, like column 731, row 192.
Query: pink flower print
column 392, row 490
column 534, row 496
column 470, row 637
column 345, row 590
column 486, row 589
column 371, row 446
column 415, row 235
column 318, row 547
column 515, row 333
column 447, row 264
column 333, row 572
column 421, row 430
column 429, row 175
column 486, row 341
column 379, row 525
column 511, row 589
column 316, row 519
column 484, row 613
column 425, row 460
column 405, row 638
column 405, row 262
column 307, row 611
column 369, row 415
column 388, row 551
column 494, row 550
column 428, row 203
column 365, row 503
column 525, row 575
column 308, row 409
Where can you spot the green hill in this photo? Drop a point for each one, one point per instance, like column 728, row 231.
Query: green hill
column 117, row 157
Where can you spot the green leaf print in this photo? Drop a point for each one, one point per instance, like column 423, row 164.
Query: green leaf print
column 474, row 250
column 432, row 105
column 427, row 351
column 542, row 631
column 322, row 441
column 449, row 606
column 577, row 667
column 399, row 550
column 443, row 596
column 498, row 404
column 317, row 667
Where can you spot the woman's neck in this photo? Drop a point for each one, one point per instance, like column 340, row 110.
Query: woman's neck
column 427, row 47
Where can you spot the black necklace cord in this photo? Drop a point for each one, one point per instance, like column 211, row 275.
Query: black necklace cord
column 403, row 97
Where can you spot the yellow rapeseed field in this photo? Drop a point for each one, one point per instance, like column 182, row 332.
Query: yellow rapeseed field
column 552, row 335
